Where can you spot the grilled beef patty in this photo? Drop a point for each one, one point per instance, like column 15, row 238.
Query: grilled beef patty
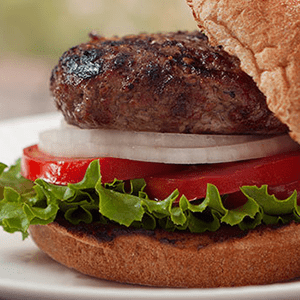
column 165, row 82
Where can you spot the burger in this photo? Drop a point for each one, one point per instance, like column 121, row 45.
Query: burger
column 177, row 162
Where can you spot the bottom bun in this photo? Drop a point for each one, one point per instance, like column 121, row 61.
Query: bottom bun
column 228, row 257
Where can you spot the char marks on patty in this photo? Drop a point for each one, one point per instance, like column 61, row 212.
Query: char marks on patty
column 164, row 82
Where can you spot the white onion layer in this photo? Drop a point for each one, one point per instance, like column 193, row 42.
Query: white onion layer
column 70, row 141
column 152, row 139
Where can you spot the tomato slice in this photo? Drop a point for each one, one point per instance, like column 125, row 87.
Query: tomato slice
column 61, row 170
column 274, row 171
column 280, row 172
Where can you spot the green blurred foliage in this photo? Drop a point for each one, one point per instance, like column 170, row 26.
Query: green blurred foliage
column 48, row 28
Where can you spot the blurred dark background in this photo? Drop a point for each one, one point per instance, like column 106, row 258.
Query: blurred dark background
column 34, row 34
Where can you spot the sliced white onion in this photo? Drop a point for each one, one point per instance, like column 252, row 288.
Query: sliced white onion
column 152, row 139
column 70, row 141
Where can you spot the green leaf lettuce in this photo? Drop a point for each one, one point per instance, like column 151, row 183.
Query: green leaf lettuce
column 24, row 203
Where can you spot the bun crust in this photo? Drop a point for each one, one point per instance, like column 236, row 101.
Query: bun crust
column 228, row 257
column 265, row 36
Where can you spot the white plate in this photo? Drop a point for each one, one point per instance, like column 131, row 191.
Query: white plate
column 27, row 273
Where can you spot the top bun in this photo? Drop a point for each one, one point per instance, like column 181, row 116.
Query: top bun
column 265, row 36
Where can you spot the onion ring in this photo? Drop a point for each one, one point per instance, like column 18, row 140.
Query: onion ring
column 70, row 141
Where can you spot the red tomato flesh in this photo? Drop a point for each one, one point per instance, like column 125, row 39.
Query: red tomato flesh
column 61, row 170
column 280, row 172
column 277, row 170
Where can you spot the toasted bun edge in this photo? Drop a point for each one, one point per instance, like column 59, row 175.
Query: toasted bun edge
column 265, row 36
column 166, row 259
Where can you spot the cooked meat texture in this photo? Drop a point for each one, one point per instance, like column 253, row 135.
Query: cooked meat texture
column 165, row 82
